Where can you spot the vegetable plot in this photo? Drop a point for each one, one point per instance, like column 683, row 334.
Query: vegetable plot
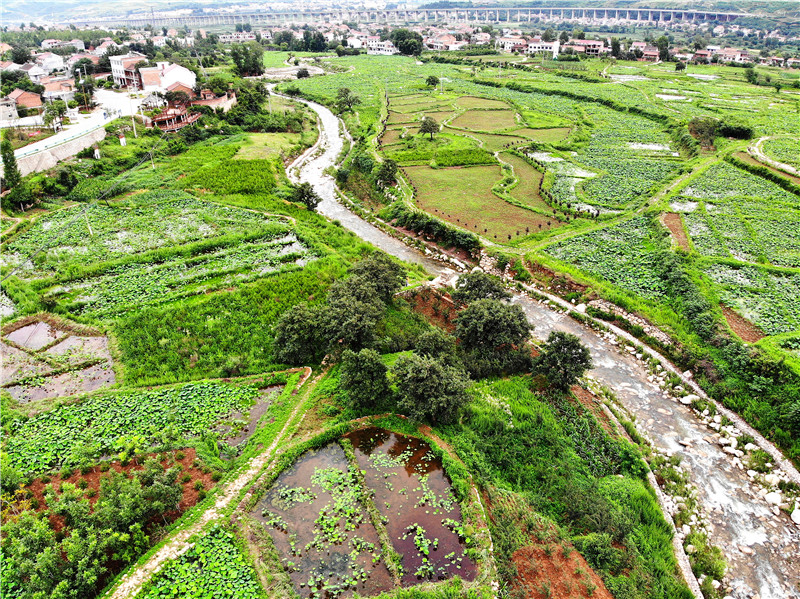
column 213, row 567
column 109, row 422
column 622, row 254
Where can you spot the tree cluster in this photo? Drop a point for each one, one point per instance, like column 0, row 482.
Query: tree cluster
column 76, row 561
column 346, row 320
column 248, row 59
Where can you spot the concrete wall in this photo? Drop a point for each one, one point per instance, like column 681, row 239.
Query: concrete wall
column 46, row 159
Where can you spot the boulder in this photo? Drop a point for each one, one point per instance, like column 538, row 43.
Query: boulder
column 774, row 498
column 796, row 514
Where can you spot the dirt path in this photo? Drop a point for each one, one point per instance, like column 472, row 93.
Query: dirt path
column 178, row 543
column 673, row 222
column 756, row 151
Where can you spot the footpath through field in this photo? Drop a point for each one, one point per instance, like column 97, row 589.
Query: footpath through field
column 179, row 541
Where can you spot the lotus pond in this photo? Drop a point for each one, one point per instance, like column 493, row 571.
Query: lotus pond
column 368, row 514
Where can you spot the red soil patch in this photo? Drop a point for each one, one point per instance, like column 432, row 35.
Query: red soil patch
column 93, row 478
column 675, row 225
column 437, row 307
column 541, row 576
column 592, row 403
column 559, row 284
column 745, row 329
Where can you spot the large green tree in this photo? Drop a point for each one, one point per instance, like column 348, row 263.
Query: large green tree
column 429, row 125
column 429, row 389
column 354, row 309
column 489, row 324
column 563, row 360
column 479, row 285
column 363, row 376
column 11, row 174
column 298, row 335
column 385, row 275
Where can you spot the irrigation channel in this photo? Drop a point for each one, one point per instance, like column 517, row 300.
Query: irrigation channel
column 762, row 548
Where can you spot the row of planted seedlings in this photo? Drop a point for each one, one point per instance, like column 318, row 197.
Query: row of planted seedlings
column 366, row 508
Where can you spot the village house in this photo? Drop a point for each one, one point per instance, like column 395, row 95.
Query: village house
column 587, row 47
column 25, row 99
column 650, row 54
column 536, row 45
column 123, row 69
column 480, row 39
column 8, row 109
column 75, row 58
column 237, row 37
column 386, row 48
column 104, row 47
column 33, row 71
column 512, row 44
column 7, row 65
column 175, row 118
column 59, row 89
column 49, row 62
column 210, row 99
column 164, row 75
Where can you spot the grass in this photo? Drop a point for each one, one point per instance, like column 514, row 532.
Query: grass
column 265, row 145
column 464, row 198
column 486, row 120
column 527, row 189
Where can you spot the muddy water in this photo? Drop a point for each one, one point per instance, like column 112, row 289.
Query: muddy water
column 35, row 336
column 295, row 524
column 769, row 567
column 414, row 497
column 265, row 398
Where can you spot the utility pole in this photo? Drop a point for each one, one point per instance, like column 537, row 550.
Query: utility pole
column 130, row 103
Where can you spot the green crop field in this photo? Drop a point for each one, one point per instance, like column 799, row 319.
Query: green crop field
column 467, row 201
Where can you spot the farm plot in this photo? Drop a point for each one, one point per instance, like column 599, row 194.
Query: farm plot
column 784, row 150
column 260, row 146
column 486, row 120
column 464, row 198
column 213, row 567
column 316, row 518
column 529, row 182
column 545, row 136
column 623, row 254
column 494, row 143
column 43, row 359
column 724, row 180
column 768, row 299
column 480, row 103
column 135, row 285
column 148, row 221
column 413, row 494
column 106, row 423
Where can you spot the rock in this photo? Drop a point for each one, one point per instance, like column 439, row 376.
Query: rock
column 692, row 397
column 750, row 447
column 745, row 549
column 724, row 441
column 685, row 401
column 729, row 450
column 752, row 473
column 686, row 529
column 775, row 498
column 690, row 549
column 717, row 418
column 796, row 514
column 687, row 374
column 581, row 308
column 716, row 584
column 734, row 442
column 772, row 479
